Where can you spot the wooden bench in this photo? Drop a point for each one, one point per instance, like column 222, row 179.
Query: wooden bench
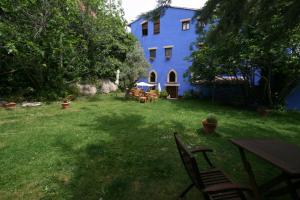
column 212, row 182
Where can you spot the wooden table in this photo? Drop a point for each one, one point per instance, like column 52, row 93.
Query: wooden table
column 280, row 154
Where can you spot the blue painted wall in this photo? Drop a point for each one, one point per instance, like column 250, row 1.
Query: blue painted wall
column 171, row 34
column 293, row 100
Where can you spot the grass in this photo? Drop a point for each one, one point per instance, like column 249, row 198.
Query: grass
column 107, row 148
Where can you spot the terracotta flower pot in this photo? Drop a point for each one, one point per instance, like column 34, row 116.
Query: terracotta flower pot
column 10, row 105
column 65, row 105
column 209, row 127
column 262, row 111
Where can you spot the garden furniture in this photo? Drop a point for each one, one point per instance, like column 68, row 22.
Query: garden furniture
column 151, row 96
column 143, row 99
column 281, row 155
column 138, row 94
column 212, row 182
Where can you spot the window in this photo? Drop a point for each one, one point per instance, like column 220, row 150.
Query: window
column 200, row 45
column 152, row 78
column 145, row 28
column 185, row 25
column 152, row 54
column 200, row 24
column 172, row 77
column 156, row 29
column 168, row 52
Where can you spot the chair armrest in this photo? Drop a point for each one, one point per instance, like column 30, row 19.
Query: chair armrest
column 223, row 187
column 203, row 150
column 200, row 149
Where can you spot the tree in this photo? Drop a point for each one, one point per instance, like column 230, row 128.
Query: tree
column 46, row 46
column 253, row 34
column 135, row 66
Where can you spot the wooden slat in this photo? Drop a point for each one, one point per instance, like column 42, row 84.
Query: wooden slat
column 225, row 195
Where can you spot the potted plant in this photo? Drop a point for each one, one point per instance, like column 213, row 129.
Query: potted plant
column 65, row 104
column 163, row 94
column 210, row 123
column 263, row 111
column 10, row 104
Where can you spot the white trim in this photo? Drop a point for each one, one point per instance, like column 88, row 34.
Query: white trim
column 168, row 77
column 172, row 84
column 185, row 20
column 152, row 48
column 143, row 22
column 168, row 46
column 150, row 72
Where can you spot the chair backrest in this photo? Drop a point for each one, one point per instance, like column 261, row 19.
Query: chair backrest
column 189, row 162
column 136, row 92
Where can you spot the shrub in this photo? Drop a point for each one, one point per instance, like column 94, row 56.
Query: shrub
column 211, row 118
column 163, row 94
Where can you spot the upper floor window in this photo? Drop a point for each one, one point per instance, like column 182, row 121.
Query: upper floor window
column 168, row 52
column 156, row 24
column 200, row 45
column 152, row 54
column 185, row 24
column 145, row 28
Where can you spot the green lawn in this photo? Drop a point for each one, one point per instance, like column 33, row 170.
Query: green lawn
column 108, row 148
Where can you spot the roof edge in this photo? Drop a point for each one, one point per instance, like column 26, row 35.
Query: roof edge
column 174, row 7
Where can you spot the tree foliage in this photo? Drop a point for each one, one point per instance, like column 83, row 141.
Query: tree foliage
column 244, row 35
column 135, row 66
column 45, row 46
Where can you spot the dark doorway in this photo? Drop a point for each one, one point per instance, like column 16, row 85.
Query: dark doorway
column 172, row 77
column 172, row 91
column 152, row 77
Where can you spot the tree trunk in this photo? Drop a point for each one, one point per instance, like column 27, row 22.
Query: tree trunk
column 213, row 92
column 269, row 89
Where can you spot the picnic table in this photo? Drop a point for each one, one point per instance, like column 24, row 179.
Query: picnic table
column 280, row 154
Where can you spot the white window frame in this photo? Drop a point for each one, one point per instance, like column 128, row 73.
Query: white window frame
column 149, row 76
column 169, row 47
column 176, row 76
column 152, row 48
column 188, row 20
column 142, row 23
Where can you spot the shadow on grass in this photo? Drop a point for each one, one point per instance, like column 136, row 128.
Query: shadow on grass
column 131, row 157
column 139, row 160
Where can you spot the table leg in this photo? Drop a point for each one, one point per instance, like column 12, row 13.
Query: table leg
column 251, row 176
column 271, row 183
column 292, row 189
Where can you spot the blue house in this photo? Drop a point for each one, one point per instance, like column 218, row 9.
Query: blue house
column 167, row 42
column 293, row 99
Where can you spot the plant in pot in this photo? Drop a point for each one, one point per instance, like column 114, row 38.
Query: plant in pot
column 210, row 123
column 65, row 103
column 263, row 111
column 10, row 104
column 163, row 94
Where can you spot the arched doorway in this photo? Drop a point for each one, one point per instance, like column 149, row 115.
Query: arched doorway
column 172, row 77
column 172, row 86
column 152, row 78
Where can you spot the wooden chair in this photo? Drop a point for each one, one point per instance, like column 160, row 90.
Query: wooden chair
column 140, row 96
column 151, row 97
column 213, row 183
column 136, row 93
column 131, row 92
